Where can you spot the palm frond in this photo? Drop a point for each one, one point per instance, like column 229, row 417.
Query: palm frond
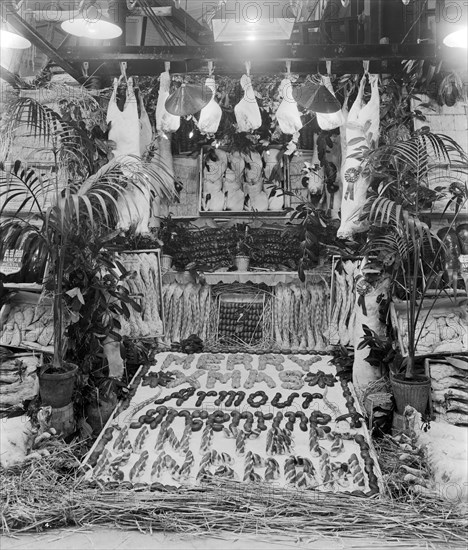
column 23, row 189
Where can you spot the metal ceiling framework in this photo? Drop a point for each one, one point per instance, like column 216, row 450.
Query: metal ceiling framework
column 228, row 58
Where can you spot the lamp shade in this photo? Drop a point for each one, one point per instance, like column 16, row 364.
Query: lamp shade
column 91, row 22
column 10, row 39
column 316, row 97
column 325, row 102
column 188, row 99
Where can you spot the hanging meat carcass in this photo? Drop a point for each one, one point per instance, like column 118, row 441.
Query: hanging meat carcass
column 165, row 122
column 247, row 113
column 210, row 115
column 146, row 132
column 134, row 204
column 362, row 128
column 124, row 125
column 287, row 115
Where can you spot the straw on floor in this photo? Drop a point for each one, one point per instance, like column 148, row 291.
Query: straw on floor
column 52, row 493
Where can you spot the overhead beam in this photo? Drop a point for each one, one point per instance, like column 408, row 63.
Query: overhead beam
column 29, row 32
column 12, row 79
column 265, row 58
column 243, row 51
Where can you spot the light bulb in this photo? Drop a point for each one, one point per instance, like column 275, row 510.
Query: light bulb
column 457, row 39
column 190, row 135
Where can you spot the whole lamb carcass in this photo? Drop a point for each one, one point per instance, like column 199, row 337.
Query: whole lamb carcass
column 287, row 114
column 363, row 123
column 210, row 115
column 247, row 113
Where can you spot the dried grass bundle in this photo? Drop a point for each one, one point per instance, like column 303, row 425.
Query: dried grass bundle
column 45, row 494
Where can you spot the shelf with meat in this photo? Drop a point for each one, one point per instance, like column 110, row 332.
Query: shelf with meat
column 234, row 182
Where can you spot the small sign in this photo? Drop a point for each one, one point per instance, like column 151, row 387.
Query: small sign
column 12, row 261
column 464, row 262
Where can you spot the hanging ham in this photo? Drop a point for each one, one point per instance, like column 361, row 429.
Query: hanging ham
column 362, row 128
column 247, row 113
column 287, row 115
column 165, row 122
column 329, row 121
column 210, row 116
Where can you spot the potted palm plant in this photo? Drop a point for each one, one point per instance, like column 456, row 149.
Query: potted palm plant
column 404, row 243
column 50, row 206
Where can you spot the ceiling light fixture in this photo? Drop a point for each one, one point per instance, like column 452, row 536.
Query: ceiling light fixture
column 453, row 24
column 91, row 22
column 10, row 39
column 457, row 39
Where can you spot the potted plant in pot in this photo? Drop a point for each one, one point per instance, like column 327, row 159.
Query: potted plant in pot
column 404, row 244
column 244, row 248
column 173, row 237
column 50, row 207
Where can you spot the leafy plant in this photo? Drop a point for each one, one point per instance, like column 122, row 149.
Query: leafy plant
column 312, row 227
column 95, row 297
column 382, row 351
column 50, row 209
column 399, row 237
